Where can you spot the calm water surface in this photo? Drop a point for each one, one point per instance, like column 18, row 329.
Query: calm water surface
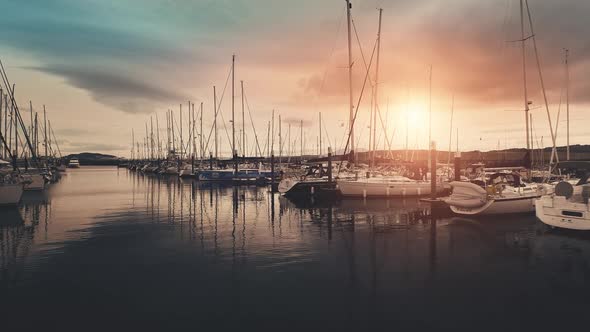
column 107, row 248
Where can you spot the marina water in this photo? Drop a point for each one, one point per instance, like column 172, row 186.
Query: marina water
column 109, row 248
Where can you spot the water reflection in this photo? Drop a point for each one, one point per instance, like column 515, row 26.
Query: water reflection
column 249, row 251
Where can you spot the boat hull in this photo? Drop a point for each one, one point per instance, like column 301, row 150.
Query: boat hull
column 306, row 188
column 384, row 190
column 10, row 194
column 499, row 206
column 216, row 175
column 556, row 211
column 37, row 183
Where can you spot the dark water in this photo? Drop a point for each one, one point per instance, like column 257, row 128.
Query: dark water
column 110, row 249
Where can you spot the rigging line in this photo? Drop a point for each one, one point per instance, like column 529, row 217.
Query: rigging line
column 357, row 105
column 362, row 53
column 226, row 132
column 326, row 133
column 252, row 122
column 17, row 111
column 218, row 108
column 56, row 143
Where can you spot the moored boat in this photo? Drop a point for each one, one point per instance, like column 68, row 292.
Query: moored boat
column 568, row 206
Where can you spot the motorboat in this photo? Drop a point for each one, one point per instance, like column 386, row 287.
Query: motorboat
column 74, row 163
column 568, row 206
column 221, row 175
column 500, row 193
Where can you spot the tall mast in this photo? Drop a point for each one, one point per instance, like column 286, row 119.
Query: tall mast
column 181, row 138
column 45, row 130
column 524, row 80
column 272, row 134
column 429, row 116
column 567, row 102
column 243, row 124
column 350, row 107
column 158, row 138
column 451, row 129
column 201, row 130
column 132, row 144
column 173, row 133
column 215, row 121
column 320, row 151
column 151, row 137
column 301, row 143
column 280, row 139
column 233, row 119
column 193, row 131
column 376, row 97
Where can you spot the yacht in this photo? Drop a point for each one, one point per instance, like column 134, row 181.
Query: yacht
column 74, row 163
column 568, row 206
column 500, row 193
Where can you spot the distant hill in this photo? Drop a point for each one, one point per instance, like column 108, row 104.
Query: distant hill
column 90, row 158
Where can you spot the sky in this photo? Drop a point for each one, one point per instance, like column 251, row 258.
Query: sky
column 103, row 68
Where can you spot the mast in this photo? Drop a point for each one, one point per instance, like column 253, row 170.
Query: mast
column 524, row 80
column 201, row 130
column 233, row 119
column 407, row 120
column 193, row 131
column 45, row 130
column 151, row 137
column 158, row 138
column 451, row 129
column 132, row 144
column 350, row 107
column 429, row 116
column 272, row 134
column 280, row 140
column 301, row 143
column 376, row 97
column 32, row 130
column 243, row 124
column 567, row 102
column 173, row 133
column 181, row 138
column 320, row 150
column 215, row 122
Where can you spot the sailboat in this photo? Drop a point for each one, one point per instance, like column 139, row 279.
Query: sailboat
column 501, row 192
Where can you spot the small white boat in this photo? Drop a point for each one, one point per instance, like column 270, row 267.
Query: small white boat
column 74, row 163
column 386, row 186
column 504, row 195
column 569, row 205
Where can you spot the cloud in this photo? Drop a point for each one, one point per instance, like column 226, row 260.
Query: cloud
column 123, row 92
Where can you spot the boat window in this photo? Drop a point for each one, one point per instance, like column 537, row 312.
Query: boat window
column 572, row 214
